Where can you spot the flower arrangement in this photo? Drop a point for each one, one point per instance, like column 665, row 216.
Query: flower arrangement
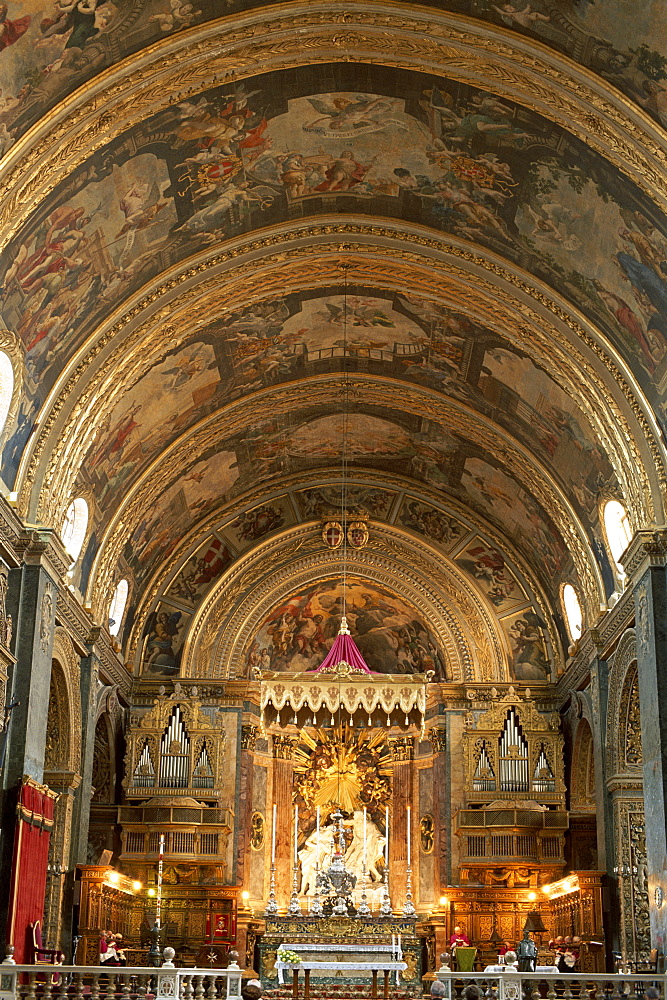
column 288, row 957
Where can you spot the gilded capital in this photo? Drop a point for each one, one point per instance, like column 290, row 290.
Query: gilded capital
column 284, row 747
column 248, row 737
column 402, row 749
column 438, row 737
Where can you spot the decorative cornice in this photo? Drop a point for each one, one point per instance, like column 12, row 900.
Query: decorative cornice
column 306, row 33
column 648, row 548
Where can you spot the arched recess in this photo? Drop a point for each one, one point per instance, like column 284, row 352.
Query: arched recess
column 62, row 764
column 108, row 753
column 474, row 646
column 625, row 784
column 401, row 492
column 582, row 776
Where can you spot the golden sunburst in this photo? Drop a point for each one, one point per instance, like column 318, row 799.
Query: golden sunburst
column 342, row 767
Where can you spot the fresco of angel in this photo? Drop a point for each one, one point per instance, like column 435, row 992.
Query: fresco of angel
column 344, row 113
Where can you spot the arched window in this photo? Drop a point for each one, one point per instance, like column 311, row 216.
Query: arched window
column 117, row 606
column 6, row 387
column 73, row 531
column 618, row 530
column 573, row 613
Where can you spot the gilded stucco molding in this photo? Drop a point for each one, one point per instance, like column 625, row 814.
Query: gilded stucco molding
column 320, row 390
column 222, row 629
column 623, row 662
column 65, row 654
column 66, row 439
column 362, row 477
column 300, row 33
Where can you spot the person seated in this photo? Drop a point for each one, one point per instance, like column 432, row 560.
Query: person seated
column 110, row 956
column 104, row 946
column 120, row 953
column 472, row 992
column 459, row 939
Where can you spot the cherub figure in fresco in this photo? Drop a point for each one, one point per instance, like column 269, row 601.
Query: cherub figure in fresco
column 11, row 30
column 525, row 18
column 180, row 15
column 548, row 228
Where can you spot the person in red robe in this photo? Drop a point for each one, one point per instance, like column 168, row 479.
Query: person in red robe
column 459, row 939
column 11, row 31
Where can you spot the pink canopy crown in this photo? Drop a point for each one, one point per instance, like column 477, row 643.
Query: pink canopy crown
column 343, row 657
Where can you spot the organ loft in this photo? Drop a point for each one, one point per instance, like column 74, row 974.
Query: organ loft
column 333, row 467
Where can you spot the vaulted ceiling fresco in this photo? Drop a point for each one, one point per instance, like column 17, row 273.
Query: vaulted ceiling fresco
column 458, row 241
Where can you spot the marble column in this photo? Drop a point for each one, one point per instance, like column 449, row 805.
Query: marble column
column 402, row 751
column 441, row 811
column 283, row 774
column 244, row 814
column 88, row 689
column 32, row 591
column 645, row 563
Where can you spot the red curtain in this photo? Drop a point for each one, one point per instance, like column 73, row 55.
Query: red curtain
column 34, row 815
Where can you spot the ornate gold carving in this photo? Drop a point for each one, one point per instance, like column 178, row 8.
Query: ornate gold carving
column 633, row 726
column 257, row 831
column 46, row 619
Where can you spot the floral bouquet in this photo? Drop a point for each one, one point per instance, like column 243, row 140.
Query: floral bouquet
column 288, row 957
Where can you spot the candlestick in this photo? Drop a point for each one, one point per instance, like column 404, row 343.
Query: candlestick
column 408, row 836
column 365, row 856
column 273, row 837
column 386, row 837
column 296, row 836
column 272, row 905
column 158, row 899
column 408, row 909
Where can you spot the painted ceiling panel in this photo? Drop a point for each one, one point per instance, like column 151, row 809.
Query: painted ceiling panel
column 51, row 49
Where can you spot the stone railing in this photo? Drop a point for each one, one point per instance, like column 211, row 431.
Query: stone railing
column 512, row 985
column 113, row 982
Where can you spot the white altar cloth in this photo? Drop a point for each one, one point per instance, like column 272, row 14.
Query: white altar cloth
column 306, row 965
column 547, row 970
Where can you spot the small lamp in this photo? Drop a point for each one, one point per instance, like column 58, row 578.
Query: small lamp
column 534, row 924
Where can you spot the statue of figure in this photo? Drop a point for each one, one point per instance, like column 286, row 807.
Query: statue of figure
column 354, row 856
column 527, row 953
column 310, row 858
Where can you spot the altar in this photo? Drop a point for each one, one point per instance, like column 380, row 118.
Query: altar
column 358, row 948
column 339, row 958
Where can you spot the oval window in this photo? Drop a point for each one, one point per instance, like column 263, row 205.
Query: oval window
column 6, row 387
column 618, row 530
column 573, row 614
column 117, row 606
column 73, row 531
